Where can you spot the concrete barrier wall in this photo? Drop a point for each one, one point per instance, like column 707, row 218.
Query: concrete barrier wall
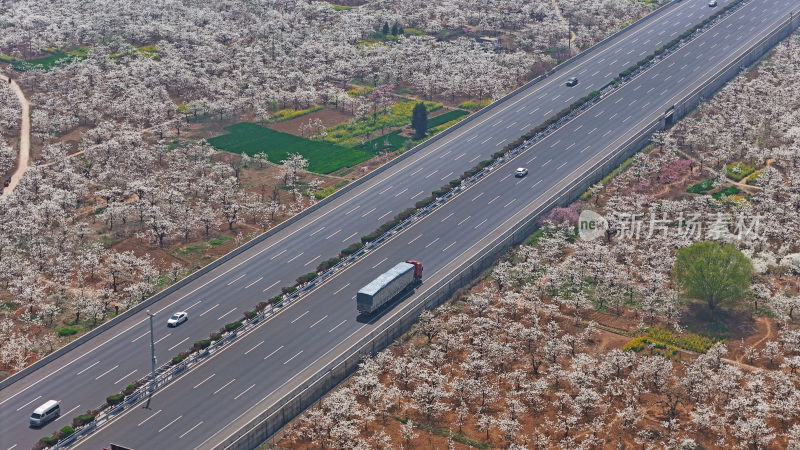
column 271, row 421
column 345, row 190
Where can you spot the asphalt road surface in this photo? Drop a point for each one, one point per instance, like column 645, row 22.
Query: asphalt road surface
column 207, row 403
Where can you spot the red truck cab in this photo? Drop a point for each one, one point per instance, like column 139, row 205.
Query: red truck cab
column 417, row 269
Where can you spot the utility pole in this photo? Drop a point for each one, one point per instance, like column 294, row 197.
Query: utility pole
column 152, row 359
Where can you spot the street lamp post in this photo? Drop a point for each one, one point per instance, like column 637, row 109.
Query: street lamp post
column 152, row 354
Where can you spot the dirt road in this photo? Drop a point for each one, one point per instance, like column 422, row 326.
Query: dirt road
column 23, row 160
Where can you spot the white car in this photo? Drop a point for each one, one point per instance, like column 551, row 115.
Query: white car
column 177, row 319
column 521, row 172
column 712, row 3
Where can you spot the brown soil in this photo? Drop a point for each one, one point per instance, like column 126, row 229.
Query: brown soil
column 329, row 117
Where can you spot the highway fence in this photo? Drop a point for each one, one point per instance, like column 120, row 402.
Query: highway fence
column 460, row 273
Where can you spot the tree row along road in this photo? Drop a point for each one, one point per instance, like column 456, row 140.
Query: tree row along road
column 83, row 377
column 262, row 365
column 23, row 160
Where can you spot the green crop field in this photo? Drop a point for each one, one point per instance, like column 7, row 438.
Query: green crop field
column 389, row 142
column 323, row 157
column 446, row 117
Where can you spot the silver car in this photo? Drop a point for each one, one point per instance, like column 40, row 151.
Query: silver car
column 177, row 319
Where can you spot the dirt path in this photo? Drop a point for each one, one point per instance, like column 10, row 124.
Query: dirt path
column 767, row 335
column 24, row 137
column 572, row 35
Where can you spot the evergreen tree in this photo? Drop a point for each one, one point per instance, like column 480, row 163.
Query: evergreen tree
column 419, row 120
column 401, row 30
column 385, row 28
column 395, row 29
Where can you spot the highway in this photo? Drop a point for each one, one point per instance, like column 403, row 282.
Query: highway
column 280, row 352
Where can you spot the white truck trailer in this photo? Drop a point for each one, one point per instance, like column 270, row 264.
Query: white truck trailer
column 388, row 286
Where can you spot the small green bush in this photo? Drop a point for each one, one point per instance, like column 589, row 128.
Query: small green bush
column 115, row 399
column 82, row 420
column 214, row 337
column 327, row 264
column 306, row 277
column 424, row 202
column 201, row 344
column 702, row 187
column 739, row 170
column 350, row 249
column 66, row 431
column 176, row 359
column 388, row 225
column 67, row 331
column 367, row 238
column 129, row 389
column 405, row 214
column 250, row 314
column 49, row 441
column 730, row 190
column 232, row 326
column 275, row 300
column 286, row 290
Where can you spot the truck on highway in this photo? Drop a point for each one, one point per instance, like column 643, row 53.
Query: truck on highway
column 388, row 286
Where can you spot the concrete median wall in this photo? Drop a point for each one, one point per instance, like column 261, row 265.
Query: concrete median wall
column 271, row 421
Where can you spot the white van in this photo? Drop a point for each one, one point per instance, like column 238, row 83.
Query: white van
column 45, row 413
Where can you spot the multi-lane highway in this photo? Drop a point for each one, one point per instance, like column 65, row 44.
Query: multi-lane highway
column 281, row 352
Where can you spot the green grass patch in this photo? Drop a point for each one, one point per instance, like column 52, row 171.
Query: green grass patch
column 472, row 105
column 8, row 305
column 533, row 240
column 149, row 51
column 446, row 117
column 414, row 31
column 45, row 63
column 219, row 240
column 614, row 173
column 348, row 134
column 323, row 157
column 667, row 343
column 190, row 249
column 738, row 170
column 446, row 432
column 322, row 193
column 67, row 331
column 444, row 126
column 97, row 211
column 752, row 180
column 386, row 143
column 702, row 187
column 359, row 91
column 730, row 190
column 289, row 113
column 341, row 7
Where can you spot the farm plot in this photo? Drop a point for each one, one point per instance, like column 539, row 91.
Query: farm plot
column 323, row 157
